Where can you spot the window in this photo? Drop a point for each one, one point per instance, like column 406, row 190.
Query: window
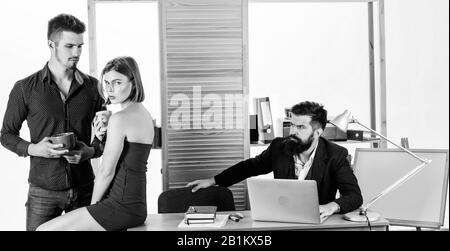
column 309, row 51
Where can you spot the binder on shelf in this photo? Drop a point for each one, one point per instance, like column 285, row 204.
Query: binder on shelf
column 355, row 135
column 286, row 123
column 253, row 129
column 332, row 133
column 286, row 128
column 265, row 123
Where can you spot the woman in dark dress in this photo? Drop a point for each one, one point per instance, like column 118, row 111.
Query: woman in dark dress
column 119, row 196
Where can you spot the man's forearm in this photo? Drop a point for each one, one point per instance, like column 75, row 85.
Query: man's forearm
column 15, row 144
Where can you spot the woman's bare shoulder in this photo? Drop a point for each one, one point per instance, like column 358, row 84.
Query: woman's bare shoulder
column 115, row 120
column 139, row 126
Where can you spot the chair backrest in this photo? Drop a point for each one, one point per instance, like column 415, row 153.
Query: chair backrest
column 179, row 199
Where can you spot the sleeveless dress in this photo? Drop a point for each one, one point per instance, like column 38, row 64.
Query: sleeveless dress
column 125, row 202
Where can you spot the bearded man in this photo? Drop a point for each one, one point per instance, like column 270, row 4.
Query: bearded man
column 303, row 155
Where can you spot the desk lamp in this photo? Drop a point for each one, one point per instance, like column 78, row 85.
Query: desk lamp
column 341, row 122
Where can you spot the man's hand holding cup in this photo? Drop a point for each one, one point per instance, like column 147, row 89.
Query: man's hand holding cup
column 82, row 152
column 47, row 149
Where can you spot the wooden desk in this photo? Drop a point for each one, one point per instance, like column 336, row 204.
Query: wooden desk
column 169, row 222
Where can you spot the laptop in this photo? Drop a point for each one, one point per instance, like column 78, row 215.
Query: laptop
column 284, row 200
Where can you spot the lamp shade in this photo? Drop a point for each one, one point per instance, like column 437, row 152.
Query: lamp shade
column 341, row 121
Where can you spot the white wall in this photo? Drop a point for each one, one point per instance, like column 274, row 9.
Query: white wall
column 417, row 61
column 310, row 51
column 417, row 73
column 417, row 39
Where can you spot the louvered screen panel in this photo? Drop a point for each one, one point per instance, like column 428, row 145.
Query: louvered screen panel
column 203, row 66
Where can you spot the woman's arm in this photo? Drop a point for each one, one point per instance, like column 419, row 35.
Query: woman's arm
column 111, row 155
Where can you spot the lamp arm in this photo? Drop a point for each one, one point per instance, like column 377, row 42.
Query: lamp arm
column 389, row 189
column 404, row 149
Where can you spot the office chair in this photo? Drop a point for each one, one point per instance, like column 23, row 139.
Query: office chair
column 178, row 200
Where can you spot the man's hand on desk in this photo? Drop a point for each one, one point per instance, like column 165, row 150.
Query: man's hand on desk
column 197, row 184
column 328, row 209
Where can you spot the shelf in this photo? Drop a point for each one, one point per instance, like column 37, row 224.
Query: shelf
column 259, row 144
column 374, row 140
column 356, row 141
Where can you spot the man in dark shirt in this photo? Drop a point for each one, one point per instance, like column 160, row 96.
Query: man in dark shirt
column 59, row 98
column 304, row 155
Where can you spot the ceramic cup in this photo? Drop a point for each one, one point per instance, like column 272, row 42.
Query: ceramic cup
column 67, row 139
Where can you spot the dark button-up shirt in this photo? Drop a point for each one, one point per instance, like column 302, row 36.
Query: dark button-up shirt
column 38, row 100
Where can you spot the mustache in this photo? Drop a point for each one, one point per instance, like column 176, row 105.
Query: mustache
column 294, row 145
column 293, row 137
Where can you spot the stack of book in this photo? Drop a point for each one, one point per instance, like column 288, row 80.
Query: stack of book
column 200, row 215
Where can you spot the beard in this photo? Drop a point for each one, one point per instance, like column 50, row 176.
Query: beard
column 294, row 146
column 69, row 63
column 72, row 65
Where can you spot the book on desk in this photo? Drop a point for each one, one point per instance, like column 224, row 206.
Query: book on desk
column 200, row 214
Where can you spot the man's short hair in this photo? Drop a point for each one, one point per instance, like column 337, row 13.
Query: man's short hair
column 128, row 67
column 64, row 22
column 315, row 110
